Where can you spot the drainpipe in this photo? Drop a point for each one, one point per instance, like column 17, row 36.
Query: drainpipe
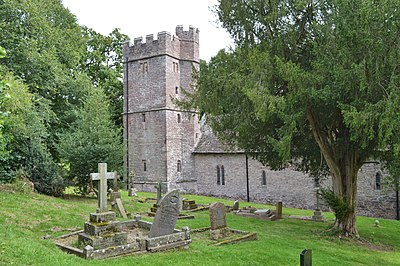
column 127, row 121
column 397, row 202
column 247, row 178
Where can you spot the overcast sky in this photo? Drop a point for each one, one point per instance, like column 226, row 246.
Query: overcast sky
column 137, row 18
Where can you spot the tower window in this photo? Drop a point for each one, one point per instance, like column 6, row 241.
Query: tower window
column 179, row 118
column 176, row 90
column 175, row 67
column 378, row 181
column 179, row 166
column 220, row 175
column 144, row 165
column 263, row 178
column 143, row 67
column 143, row 117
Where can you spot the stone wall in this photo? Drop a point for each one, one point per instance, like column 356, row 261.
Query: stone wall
column 293, row 188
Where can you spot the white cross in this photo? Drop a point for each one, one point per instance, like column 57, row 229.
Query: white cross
column 102, row 175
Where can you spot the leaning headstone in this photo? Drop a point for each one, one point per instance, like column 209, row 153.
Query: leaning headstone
column 121, row 208
column 217, row 216
column 235, row 205
column 306, row 257
column 167, row 214
column 278, row 212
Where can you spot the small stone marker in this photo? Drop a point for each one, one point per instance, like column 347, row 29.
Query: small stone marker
column 235, row 205
column 278, row 212
column 306, row 257
column 166, row 215
column 102, row 175
column 121, row 207
column 217, row 216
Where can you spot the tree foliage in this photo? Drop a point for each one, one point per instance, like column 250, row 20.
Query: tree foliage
column 59, row 62
column 91, row 139
column 313, row 84
column 103, row 63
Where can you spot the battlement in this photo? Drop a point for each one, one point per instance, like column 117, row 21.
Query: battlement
column 182, row 45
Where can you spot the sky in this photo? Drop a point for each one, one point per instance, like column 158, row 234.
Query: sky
column 138, row 18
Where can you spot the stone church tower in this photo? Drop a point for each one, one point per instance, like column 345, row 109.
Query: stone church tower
column 159, row 137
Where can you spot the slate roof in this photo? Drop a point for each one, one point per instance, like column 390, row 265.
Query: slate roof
column 209, row 143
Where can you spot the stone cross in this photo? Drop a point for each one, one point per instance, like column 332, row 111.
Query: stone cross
column 166, row 215
column 217, row 215
column 306, row 257
column 102, row 176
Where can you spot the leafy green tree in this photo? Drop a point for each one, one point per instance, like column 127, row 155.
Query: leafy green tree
column 313, row 84
column 103, row 63
column 91, row 139
column 27, row 117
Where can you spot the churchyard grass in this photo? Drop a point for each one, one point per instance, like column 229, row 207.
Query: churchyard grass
column 29, row 222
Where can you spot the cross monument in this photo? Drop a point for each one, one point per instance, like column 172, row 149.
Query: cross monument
column 102, row 176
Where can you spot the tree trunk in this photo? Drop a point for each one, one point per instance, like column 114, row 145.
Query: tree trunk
column 345, row 188
column 344, row 163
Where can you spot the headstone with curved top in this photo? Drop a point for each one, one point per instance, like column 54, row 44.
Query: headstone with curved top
column 166, row 215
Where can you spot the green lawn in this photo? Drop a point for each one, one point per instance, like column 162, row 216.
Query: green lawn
column 25, row 218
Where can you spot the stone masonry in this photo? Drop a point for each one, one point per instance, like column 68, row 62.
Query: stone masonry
column 165, row 144
column 160, row 137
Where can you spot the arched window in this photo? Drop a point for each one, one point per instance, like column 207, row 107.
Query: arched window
column 143, row 117
column 263, row 178
column 218, row 176
column 176, row 90
column 378, row 181
column 179, row 118
column 222, row 175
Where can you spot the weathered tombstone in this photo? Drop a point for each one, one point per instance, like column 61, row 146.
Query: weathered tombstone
column 306, row 257
column 158, row 187
column 166, row 216
column 115, row 194
column 235, row 205
column 102, row 176
column 121, row 208
column 217, row 216
column 278, row 212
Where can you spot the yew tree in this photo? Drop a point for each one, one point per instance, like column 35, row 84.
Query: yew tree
column 314, row 84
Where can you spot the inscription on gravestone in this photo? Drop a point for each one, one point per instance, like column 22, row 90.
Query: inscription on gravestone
column 166, row 215
column 217, row 216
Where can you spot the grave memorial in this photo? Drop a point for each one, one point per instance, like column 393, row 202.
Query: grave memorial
column 218, row 229
column 103, row 236
column 263, row 214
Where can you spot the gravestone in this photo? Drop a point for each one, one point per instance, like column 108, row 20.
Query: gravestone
column 217, row 216
column 115, row 194
column 306, row 257
column 166, row 215
column 158, row 187
column 102, row 176
column 235, row 205
column 278, row 211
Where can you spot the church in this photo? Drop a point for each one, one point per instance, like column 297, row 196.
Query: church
column 178, row 148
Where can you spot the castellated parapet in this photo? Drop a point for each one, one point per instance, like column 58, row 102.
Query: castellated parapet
column 184, row 45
